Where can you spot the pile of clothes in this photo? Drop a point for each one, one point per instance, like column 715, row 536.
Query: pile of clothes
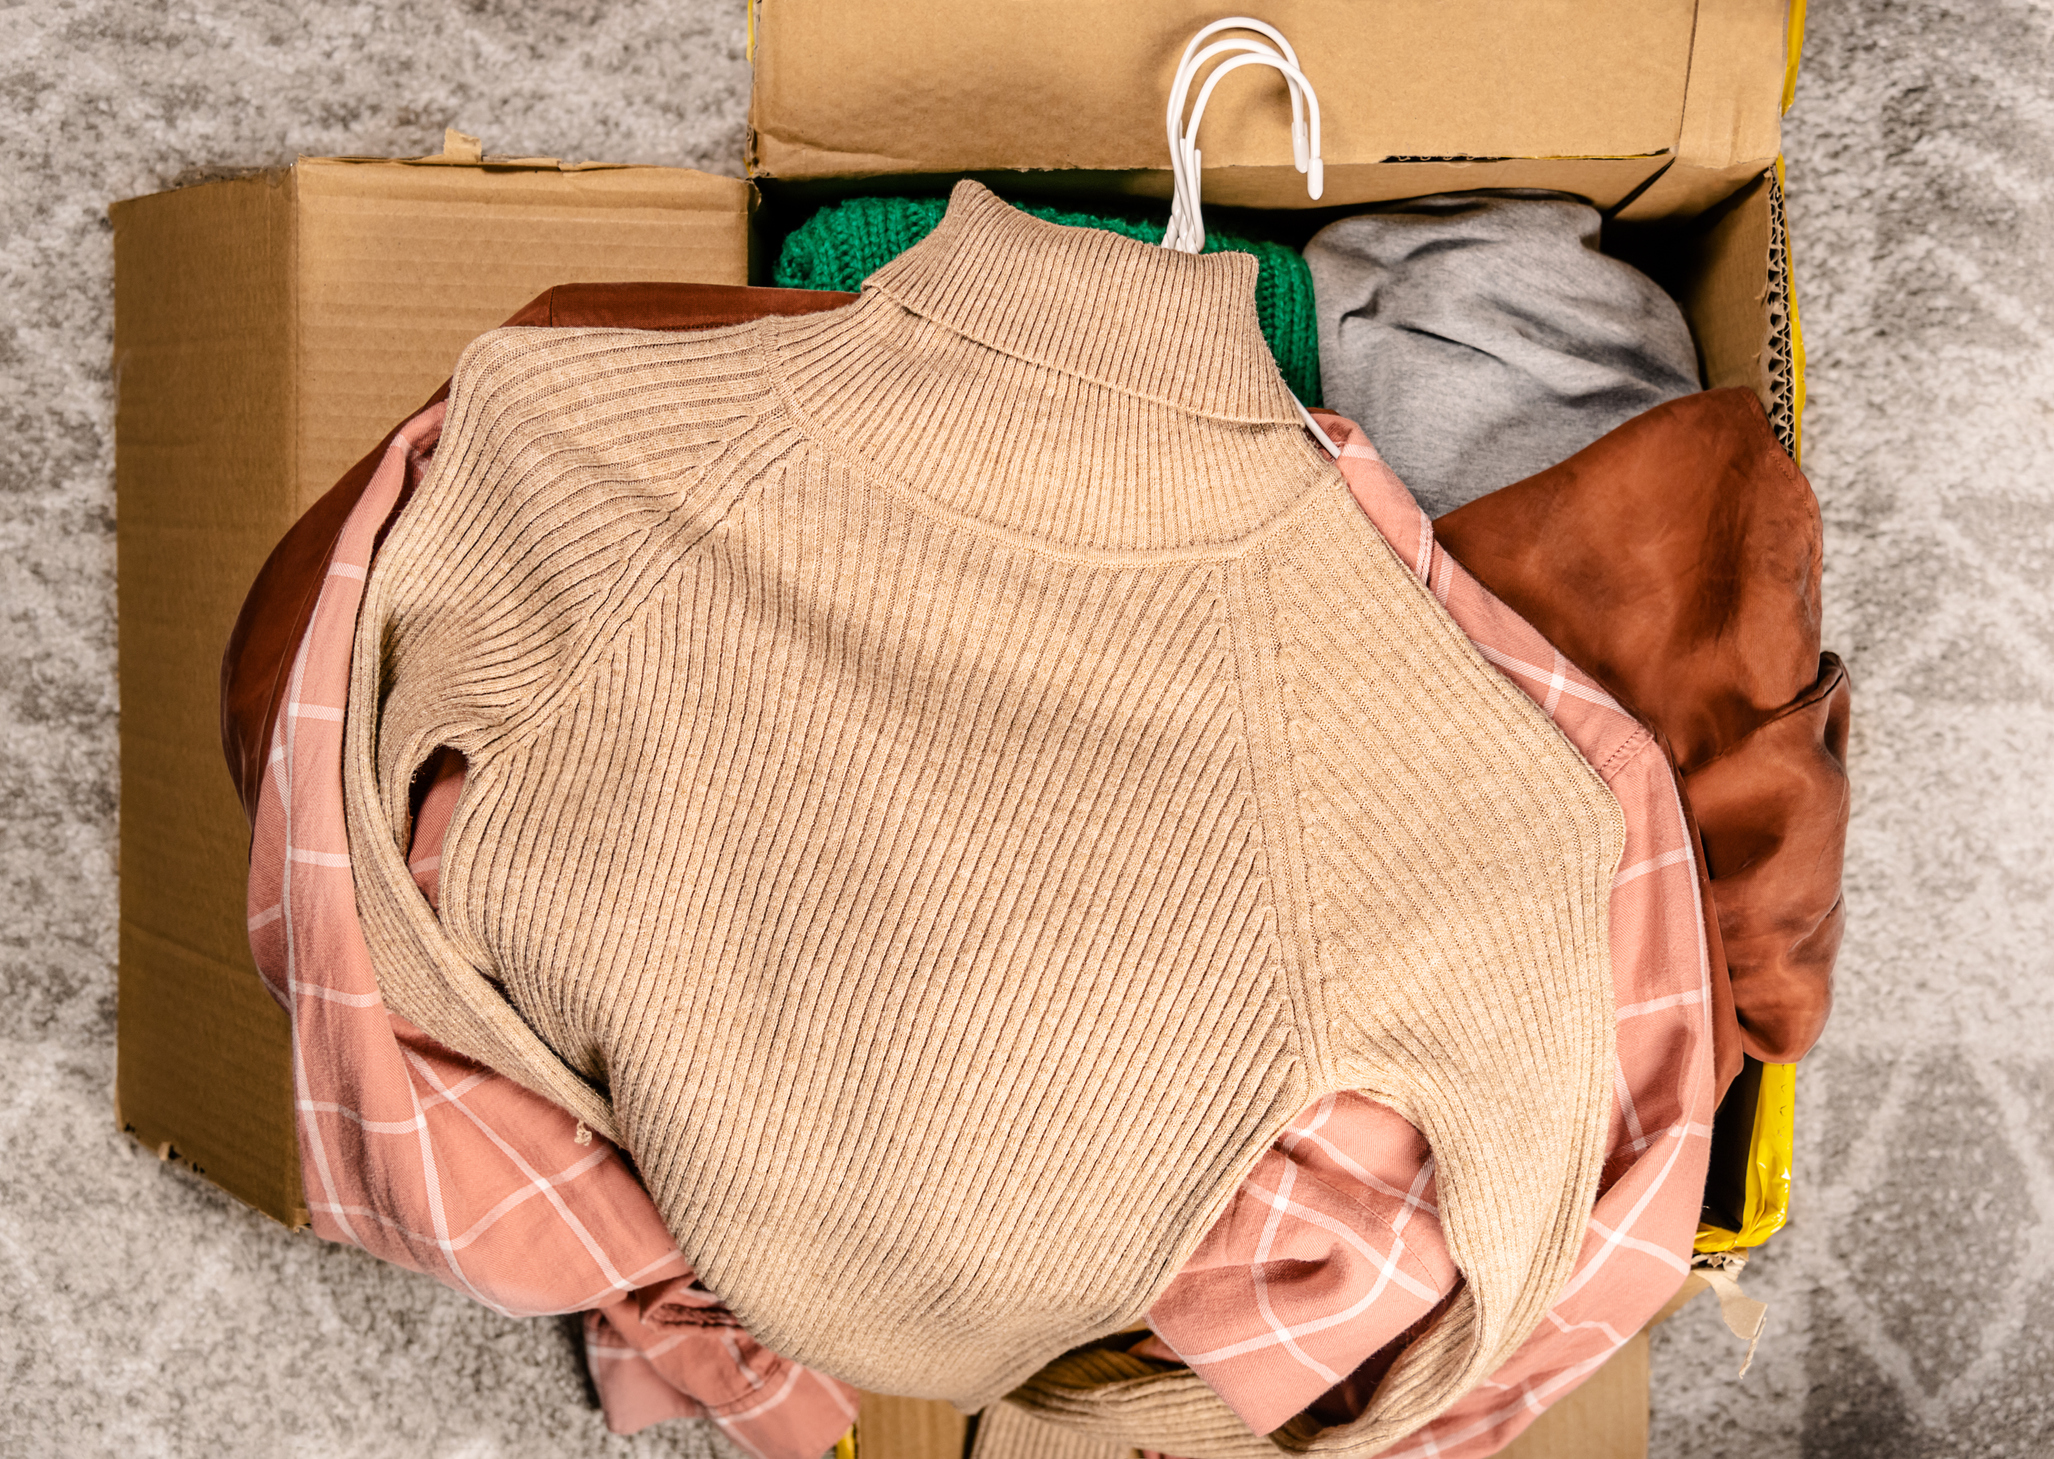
column 932, row 841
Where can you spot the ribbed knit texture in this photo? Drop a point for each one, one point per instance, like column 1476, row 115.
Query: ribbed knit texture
column 950, row 779
column 844, row 243
column 1004, row 1431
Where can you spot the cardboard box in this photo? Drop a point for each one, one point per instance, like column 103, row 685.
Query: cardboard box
column 269, row 329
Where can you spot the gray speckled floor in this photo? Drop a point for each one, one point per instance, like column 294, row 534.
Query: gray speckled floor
column 141, row 1314
column 1913, row 1295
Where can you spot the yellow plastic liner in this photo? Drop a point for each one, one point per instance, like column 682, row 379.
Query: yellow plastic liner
column 1793, row 47
column 1768, row 1165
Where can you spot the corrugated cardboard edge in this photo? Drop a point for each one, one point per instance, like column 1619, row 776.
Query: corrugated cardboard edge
column 1724, row 266
column 1794, row 326
column 1605, row 181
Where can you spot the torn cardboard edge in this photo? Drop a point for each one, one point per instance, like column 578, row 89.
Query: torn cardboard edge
column 461, row 149
column 167, row 1152
column 1745, row 1315
column 1607, row 181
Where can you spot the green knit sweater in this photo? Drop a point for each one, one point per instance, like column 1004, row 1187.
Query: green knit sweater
column 844, row 243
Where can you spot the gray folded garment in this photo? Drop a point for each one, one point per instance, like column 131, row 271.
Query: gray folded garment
column 1481, row 337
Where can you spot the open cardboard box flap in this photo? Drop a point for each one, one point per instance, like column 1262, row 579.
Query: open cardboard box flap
column 1666, row 114
column 1409, row 90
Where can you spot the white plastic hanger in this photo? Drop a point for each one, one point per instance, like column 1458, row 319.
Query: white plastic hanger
column 1188, row 65
column 1185, row 223
column 1186, row 229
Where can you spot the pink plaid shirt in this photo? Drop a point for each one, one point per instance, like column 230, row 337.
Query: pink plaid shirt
column 1330, row 1251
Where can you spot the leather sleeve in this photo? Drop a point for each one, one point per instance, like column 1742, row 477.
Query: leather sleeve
column 1773, row 813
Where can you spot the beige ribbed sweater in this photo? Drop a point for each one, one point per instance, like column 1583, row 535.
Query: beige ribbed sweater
column 950, row 778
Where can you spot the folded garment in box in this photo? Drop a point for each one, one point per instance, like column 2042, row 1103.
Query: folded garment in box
column 1352, row 1156
column 1481, row 337
column 1677, row 559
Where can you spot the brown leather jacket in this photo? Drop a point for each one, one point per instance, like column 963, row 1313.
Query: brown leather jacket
column 1676, row 560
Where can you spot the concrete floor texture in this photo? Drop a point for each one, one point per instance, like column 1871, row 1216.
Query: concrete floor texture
column 1912, row 1297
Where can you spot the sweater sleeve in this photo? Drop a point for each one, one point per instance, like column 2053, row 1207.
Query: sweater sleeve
column 573, row 501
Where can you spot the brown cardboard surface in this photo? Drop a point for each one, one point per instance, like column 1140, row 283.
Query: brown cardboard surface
column 1725, row 289
column 870, row 87
column 203, row 351
column 908, row 1428
column 268, row 330
column 401, row 266
column 1692, row 1285
column 1717, row 264
column 1005, row 1431
column 1606, row 1418
column 1733, row 109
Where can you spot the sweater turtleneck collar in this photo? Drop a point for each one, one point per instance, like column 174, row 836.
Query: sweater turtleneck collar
column 1179, row 328
column 1080, row 388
